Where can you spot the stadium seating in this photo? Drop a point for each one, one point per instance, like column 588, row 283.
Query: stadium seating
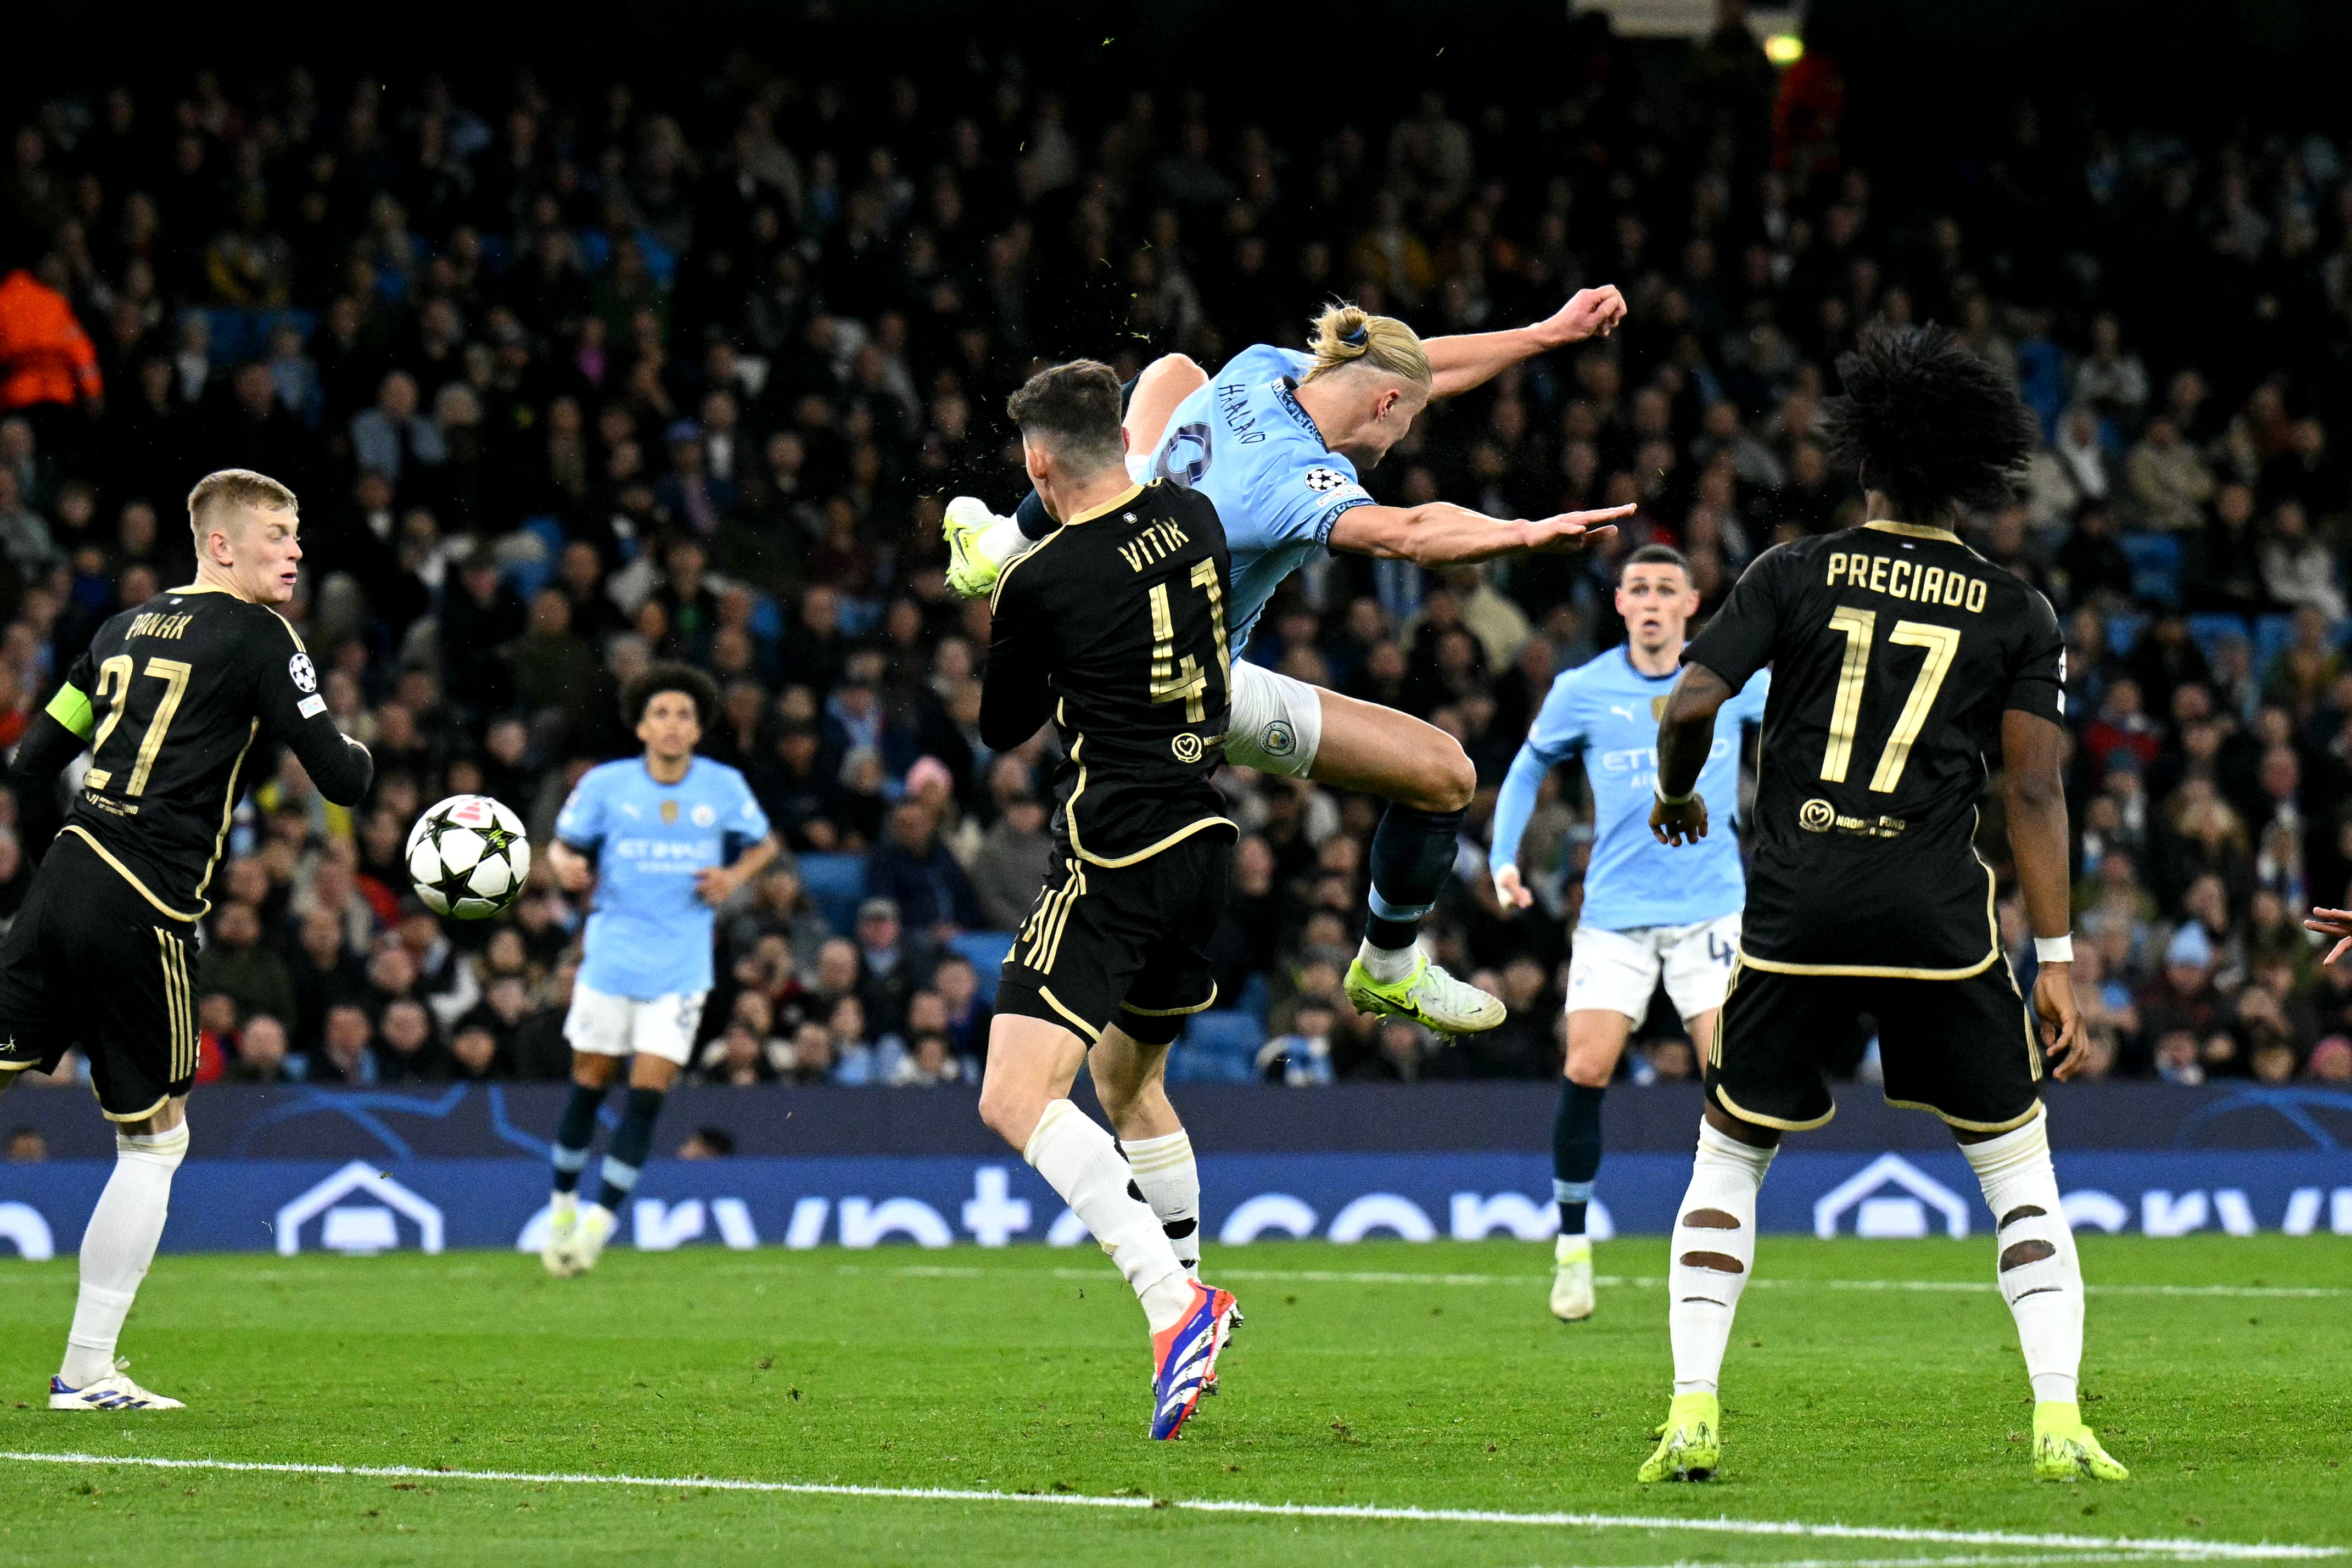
column 1218, row 1047
column 2213, row 628
column 2155, row 566
column 2122, row 631
column 835, row 883
column 985, row 951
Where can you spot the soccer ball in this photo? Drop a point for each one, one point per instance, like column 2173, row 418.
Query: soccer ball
column 467, row 857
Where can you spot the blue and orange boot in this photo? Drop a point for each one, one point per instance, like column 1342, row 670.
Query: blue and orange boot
column 1186, row 1358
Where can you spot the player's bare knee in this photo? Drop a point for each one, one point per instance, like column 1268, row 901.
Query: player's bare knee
column 1443, row 779
column 1591, row 1075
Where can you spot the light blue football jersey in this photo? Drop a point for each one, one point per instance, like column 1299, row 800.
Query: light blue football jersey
column 649, row 934
column 1241, row 440
column 1608, row 711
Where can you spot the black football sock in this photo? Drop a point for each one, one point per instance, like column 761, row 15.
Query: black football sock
column 1412, row 854
column 1575, row 1152
column 1035, row 522
column 632, row 1141
column 574, row 1130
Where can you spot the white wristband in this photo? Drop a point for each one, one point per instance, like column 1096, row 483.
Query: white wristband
column 1665, row 799
column 2054, row 949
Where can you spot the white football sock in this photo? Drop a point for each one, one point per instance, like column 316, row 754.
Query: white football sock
column 1170, row 1180
column 118, row 1247
column 1002, row 542
column 2039, row 1274
column 1713, row 1250
column 1388, row 964
column 1079, row 1161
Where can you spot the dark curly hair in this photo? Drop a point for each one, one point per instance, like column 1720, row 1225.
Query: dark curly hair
column 1928, row 422
column 660, row 677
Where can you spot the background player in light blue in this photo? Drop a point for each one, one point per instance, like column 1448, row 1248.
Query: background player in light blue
column 672, row 837
column 1277, row 439
column 1649, row 912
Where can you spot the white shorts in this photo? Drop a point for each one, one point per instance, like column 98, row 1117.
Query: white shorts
column 1619, row 971
column 1277, row 722
column 664, row 1027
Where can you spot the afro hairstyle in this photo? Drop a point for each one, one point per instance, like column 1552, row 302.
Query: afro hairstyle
column 660, row 677
column 1928, row 422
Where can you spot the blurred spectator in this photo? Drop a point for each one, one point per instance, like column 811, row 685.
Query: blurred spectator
column 46, row 358
column 1011, row 865
column 261, row 1052
column 237, row 965
column 343, row 1057
column 912, row 869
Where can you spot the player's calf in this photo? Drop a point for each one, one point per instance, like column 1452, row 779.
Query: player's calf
column 1575, row 1160
column 1594, row 1041
column 116, row 1249
column 625, row 1160
column 1714, row 1248
column 574, row 1130
column 2040, row 1277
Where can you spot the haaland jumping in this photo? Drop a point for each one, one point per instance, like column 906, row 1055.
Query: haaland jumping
column 1277, row 439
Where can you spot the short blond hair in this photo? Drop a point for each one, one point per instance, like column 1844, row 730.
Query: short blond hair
column 234, row 487
column 1349, row 334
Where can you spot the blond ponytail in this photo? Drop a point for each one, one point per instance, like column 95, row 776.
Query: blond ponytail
column 1347, row 334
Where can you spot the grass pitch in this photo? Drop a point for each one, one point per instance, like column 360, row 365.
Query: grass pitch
column 1379, row 1376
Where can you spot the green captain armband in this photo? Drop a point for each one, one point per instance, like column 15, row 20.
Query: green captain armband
column 70, row 707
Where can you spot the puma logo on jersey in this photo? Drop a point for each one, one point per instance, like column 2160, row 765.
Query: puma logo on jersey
column 1624, row 714
column 1158, row 542
column 155, row 623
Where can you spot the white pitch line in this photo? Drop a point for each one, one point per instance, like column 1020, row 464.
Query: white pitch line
column 2071, row 1545
column 1635, row 1282
column 1973, row 1559
column 1976, row 1559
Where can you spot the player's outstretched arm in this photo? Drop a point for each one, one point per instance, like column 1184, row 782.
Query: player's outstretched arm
column 1685, row 737
column 2336, row 923
column 1444, row 535
column 2033, row 751
column 1471, row 359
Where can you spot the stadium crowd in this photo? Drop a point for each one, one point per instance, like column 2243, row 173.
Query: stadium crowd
column 572, row 374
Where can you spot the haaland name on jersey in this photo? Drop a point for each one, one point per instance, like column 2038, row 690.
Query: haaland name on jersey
column 1607, row 712
column 1241, row 439
column 649, row 934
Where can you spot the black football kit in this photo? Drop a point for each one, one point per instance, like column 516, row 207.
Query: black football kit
column 1114, row 626
column 172, row 698
column 1895, row 651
